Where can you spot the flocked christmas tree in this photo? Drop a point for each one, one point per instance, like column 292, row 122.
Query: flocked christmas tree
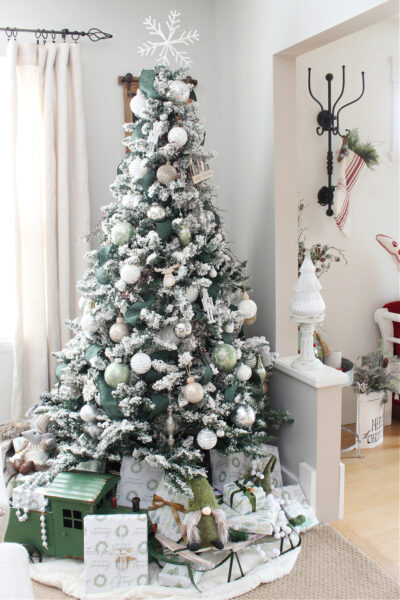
column 159, row 365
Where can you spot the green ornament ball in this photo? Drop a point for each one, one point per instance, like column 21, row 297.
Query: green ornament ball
column 116, row 373
column 224, row 357
column 122, row 233
column 102, row 276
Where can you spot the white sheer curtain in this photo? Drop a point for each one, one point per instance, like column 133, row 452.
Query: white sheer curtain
column 45, row 180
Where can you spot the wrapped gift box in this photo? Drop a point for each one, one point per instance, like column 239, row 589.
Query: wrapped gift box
column 137, row 479
column 262, row 521
column 226, row 469
column 115, row 551
column 240, row 500
column 35, row 499
column 178, row 576
column 168, row 512
column 295, row 503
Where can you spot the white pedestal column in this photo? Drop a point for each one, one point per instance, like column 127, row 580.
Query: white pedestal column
column 310, row 448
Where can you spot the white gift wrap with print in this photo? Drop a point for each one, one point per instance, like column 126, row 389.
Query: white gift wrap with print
column 115, row 551
column 137, row 479
column 295, row 503
column 226, row 469
column 240, row 501
column 178, row 576
column 34, row 498
column 163, row 517
column 262, row 521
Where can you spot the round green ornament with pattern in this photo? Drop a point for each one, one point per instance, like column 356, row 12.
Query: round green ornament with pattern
column 224, row 357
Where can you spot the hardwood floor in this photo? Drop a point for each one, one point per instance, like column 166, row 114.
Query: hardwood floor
column 371, row 500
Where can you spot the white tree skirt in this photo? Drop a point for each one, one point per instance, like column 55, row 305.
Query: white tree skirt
column 67, row 574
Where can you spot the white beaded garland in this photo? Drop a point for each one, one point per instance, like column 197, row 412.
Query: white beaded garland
column 130, row 273
column 140, row 363
column 206, row 439
column 177, row 136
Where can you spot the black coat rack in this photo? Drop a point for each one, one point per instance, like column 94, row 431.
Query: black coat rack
column 328, row 121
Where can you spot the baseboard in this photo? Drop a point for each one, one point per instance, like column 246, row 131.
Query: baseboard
column 288, row 477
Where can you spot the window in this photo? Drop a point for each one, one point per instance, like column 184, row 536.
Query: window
column 72, row 518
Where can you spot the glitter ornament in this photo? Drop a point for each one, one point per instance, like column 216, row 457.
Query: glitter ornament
column 178, row 90
column 184, row 235
column 229, row 327
column 177, row 136
column 166, row 174
column 140, row 363
column 183, row 329
column 137, row 168
column 224, row 357
column 130, row 273
column 249, row 308
column 138, row 105
column 244, row 416
column 122, row 233
column 206, row 439
column 243, row 372
column 116, row 373
column 192, row 293
column 88, row 413
column 89, row 324
column 131, row 200
column 156, row 212
column 119, row 330
column 193, row 391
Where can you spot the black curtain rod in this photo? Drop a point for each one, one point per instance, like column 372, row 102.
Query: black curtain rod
column 93, row 34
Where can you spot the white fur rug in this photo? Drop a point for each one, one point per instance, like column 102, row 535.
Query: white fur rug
column 68, row 575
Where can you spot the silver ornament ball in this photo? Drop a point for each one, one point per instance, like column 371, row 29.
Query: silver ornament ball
column 179, row 90
column 88, row 413
column 119, row 330
column 193, row 391
column 244, row 416
column 156, row 212
column 183, row 329
column 206, row 439
column 166, row 174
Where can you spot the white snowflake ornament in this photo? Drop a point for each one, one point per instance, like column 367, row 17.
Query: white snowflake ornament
column 170, row 44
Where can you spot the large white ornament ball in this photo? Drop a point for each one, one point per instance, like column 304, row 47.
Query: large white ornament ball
column 177, row 136
column 116, row 373
column 138, row 104
column 179, row 90
column 140, row 363
column 193, row 391
column 130, row 273
column 131, row 200
column 122, row 233
column 192, row 293
column 88, row 413
column 89, row 323
column 244, row 416
column 156, row 212
column 119, row 330
column 166, row 174
column 243, row 372
column 138, row 169
column 206, row 439
column 183, row 329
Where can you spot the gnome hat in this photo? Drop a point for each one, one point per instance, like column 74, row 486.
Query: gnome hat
column 202, row 494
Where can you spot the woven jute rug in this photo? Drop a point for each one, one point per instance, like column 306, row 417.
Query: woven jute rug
column 328, row 568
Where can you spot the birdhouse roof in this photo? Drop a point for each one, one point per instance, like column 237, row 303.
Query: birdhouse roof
column 81, row 486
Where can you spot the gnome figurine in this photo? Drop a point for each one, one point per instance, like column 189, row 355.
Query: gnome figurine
column 205, row 523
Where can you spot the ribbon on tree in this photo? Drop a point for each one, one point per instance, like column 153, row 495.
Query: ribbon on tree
column 146, row 83
column 160, row 402
column 165, row 355
column 164, row 230
column 137, row 133
column 176, row 508
column 148, row 180
column 123, row 164
column 230, row 392
column 107, row 400
column 207, row 375
column 103, row 254
column 132, row 313
column 92, row 352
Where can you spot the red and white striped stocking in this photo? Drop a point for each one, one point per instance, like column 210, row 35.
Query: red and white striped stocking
column 349, row 171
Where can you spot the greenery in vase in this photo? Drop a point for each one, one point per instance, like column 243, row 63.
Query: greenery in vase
column 373, row 374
